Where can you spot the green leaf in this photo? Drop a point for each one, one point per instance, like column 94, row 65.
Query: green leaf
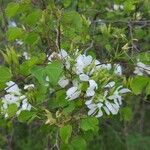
column 33, row 18
column 66, row 3
column 12, row 9
column 59, row 100
column 126, row 113
column 54, row 70
column 25, row 115
column 27, row 65
column 39, row 73
column 139, row 84
column 31, row 38
column 69, row 108
column 65, row 133
column 12, row 109
column 89, row 123
column 78, row 144
column 14, row 33
column 5, row 74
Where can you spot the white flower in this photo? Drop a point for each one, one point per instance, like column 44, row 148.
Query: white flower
column 112, row 107
column 63, row 82
column 118, row 69
column 116, row 95
column 90, row 90
column 84, row 77
column 94, row 108
column 19, row 42
column 116, row 7
column 73, row 93
column 29, row 86
column 26, row 55
column 12, row 24
column 10, row 99
column 104, row 66
column 82, row 61
column 12, row 87
column 138, row 71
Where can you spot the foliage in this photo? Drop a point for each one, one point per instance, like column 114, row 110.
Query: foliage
column 74, row 74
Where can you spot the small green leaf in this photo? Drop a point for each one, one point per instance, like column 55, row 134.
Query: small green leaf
column 90, row 123
column 33, row 18
column 12, row 9
column 65, row 133
column 69, row 108
column 14, row 33
column 78, row 143
column 5, row 74
column 54, row 70
column 139, row 84
column 126, row 113
column 25, row 115
column 39, row 73
column 66, row 3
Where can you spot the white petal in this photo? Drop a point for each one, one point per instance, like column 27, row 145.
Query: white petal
column 88, row 102
column 71, row 90
column 91, row 111
column 90, row 92
column 100, row 113
column 75, row 95
column 63, row 53
column 106, row 110
column 87, row 60
column 28, row 86
column 84, row 77
column 99, row 105
column 111, row 108
column 118, row 69
column 124, row 90
column 93, row 84
column 63, row 82
column 12, row 88
column 110, row 84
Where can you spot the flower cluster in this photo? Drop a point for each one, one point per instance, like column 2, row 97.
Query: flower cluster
column 14, row 96
column 89, row 78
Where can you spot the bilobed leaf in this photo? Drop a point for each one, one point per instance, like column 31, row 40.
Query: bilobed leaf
column 69, row 108
column 5, row 74
column 139, row 84
column 31, row 38
column 65, row 133
column 14, row 33
column 12, row 9
column 39, row 73
column 66, row 3
column 78, row 143
column 54, row 70
column 33, row 18
column 89, row 123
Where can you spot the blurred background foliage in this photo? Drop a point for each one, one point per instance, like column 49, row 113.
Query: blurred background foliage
column 110, row 30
